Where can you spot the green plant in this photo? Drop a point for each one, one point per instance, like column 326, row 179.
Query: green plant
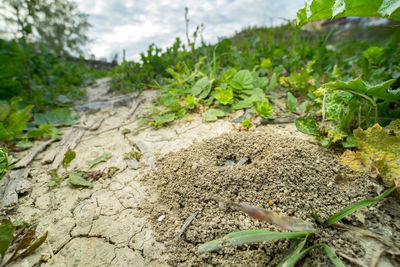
column 22, row 240
column 5, row 162
column 325, row 9
column 297, row 228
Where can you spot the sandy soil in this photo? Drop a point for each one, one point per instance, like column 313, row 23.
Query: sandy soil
column 130, row 219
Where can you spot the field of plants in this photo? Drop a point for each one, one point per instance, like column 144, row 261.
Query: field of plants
column 340, row 85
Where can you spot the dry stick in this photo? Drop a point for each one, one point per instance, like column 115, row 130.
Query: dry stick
column 134, row 106
column 32, row 154
column 108, row 130
column 72, row 143
column 186, row 224
column 96, row 124
column 323, row 107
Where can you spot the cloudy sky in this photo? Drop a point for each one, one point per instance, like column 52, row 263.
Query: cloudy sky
column 134, row 24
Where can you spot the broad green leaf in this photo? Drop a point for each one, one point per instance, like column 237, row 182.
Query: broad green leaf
column 373, row 54
column 223, row 95
column 101, row 158
column 307, row 125
column 326, row 9
column 44, row 131
column 159, row 120
column 248, row 237
column 76, row 180
column 213, row 114
column 378, row 151
column 245, row 103
column 291, row 102
column 6, row 236
column 260, row 82
column 266, row 63
column 358, row 86
column 242, row 80
column 264, row 109
column 350, row 142
column 201, row 85
column 68, row 157
column 24, row 144
column 57, row 117
column 15, row 123
column 388, row 7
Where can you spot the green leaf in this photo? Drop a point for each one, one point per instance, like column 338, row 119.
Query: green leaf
column 242, row 80
column 213, row 114
column 102, row 158
column 43, row 131
column 264, row 109
column 378, row 149
column 57, row 117
column 24, row 144
column 266, row 63
column 4, row 111
column 77, row 181
column 388, row 7
column 201, row 85
column 247, row 124
column 260, row 82
column 5, row 162
column 358, row 86
column 326, row 9
column 291, row 262
column 6, row 236
column 163, row 119
column 273, row 83
column 27, row 238
column 68, row 157
column 356, row 206
column 34, row 246
column 351, row 141
column 15, row 123
column 248, row 237
column 291, row 102
column 307, row 125
column 294, row 249
column 223, row 95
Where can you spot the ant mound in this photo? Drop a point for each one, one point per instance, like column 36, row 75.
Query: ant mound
column 278, row 173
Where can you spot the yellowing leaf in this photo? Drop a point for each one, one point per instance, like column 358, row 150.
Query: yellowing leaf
column 379, row 151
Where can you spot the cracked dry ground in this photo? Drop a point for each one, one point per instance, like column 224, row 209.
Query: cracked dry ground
column 131, row 219
column 103, row 225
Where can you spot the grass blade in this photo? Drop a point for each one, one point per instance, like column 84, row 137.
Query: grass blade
column 294, row 249
column 332, row 256
column 356, row 206
column 248, row 237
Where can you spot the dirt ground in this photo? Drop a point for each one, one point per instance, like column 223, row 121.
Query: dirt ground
column 132, row 218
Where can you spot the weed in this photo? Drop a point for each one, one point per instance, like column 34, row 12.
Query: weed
column 298, row 229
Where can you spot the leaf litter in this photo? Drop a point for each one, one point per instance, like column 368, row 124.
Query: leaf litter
column 283, row 176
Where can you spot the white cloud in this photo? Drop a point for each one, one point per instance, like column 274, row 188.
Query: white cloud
column 135, row 24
